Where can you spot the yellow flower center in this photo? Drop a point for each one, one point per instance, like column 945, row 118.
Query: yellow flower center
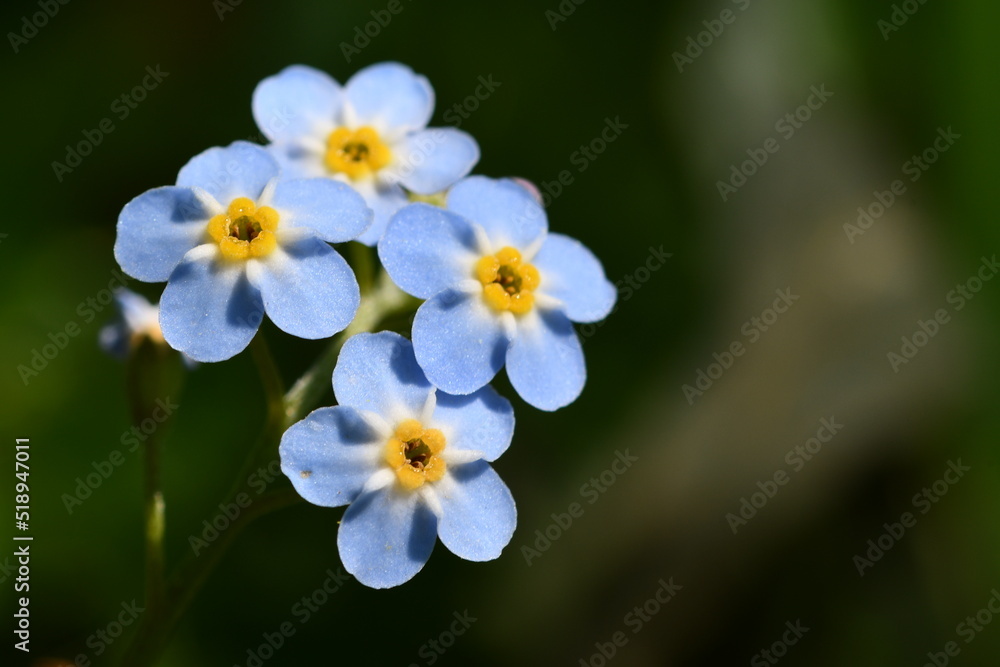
column 244, row 230
column 508, row 282
column 358, row 153
column 413, row 452
column 152, row 332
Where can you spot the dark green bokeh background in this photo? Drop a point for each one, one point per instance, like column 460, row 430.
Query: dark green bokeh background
column 654, row 186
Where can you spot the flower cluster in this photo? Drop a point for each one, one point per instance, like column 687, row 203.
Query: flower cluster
column 246, row 231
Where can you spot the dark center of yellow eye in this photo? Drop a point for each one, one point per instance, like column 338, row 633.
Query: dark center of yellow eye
column 413, row 453
column 355, row 152
column 508, row 283
column 244, row 228
column 417, row 453
column 509, row 278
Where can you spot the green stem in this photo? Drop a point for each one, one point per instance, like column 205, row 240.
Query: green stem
column 155, row 602
column 363, row 265
column 383, row 301
column 274, row 388
column 154, row 373
column 155, row 525
column 187, row 579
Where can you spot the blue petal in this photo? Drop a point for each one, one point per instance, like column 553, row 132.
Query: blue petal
column 298, row 161
column 432, row 160
column 545, row 362
column 241, row 169
column 135, row 313
column 209, row 310
column 378, row 372
column 135, row 308
column 333, row 209
column 384, row 199
column 386, row 537
column 482, row 421
column 507, row 211
column 115, row 339
column 572, row 274
column 308, row 289
column 426, row 249
column 478, row 513
column 296, row 102
column 156, row 229
column 459, row 341
column 391, row 98
column 329, row 455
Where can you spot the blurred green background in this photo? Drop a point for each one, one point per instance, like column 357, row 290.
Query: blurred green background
column 654, row 187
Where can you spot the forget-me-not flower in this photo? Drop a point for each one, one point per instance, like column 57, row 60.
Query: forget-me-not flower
column 411, row 461
column 371, row 133
column 136, row 320
column 233, row 242
column 499, row 289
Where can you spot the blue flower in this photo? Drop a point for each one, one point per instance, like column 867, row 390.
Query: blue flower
column 369, row 133
column 234, row 242
column 499, row 289
column 410, row 460
column 137, row 319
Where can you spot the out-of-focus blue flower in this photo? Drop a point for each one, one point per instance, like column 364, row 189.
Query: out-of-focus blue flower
column 499, row 289
column 371, row 133
column 233, row 241
column 137, row 319
column 411, row 461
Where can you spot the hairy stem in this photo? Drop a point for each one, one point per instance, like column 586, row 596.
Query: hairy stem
column 382, row 301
